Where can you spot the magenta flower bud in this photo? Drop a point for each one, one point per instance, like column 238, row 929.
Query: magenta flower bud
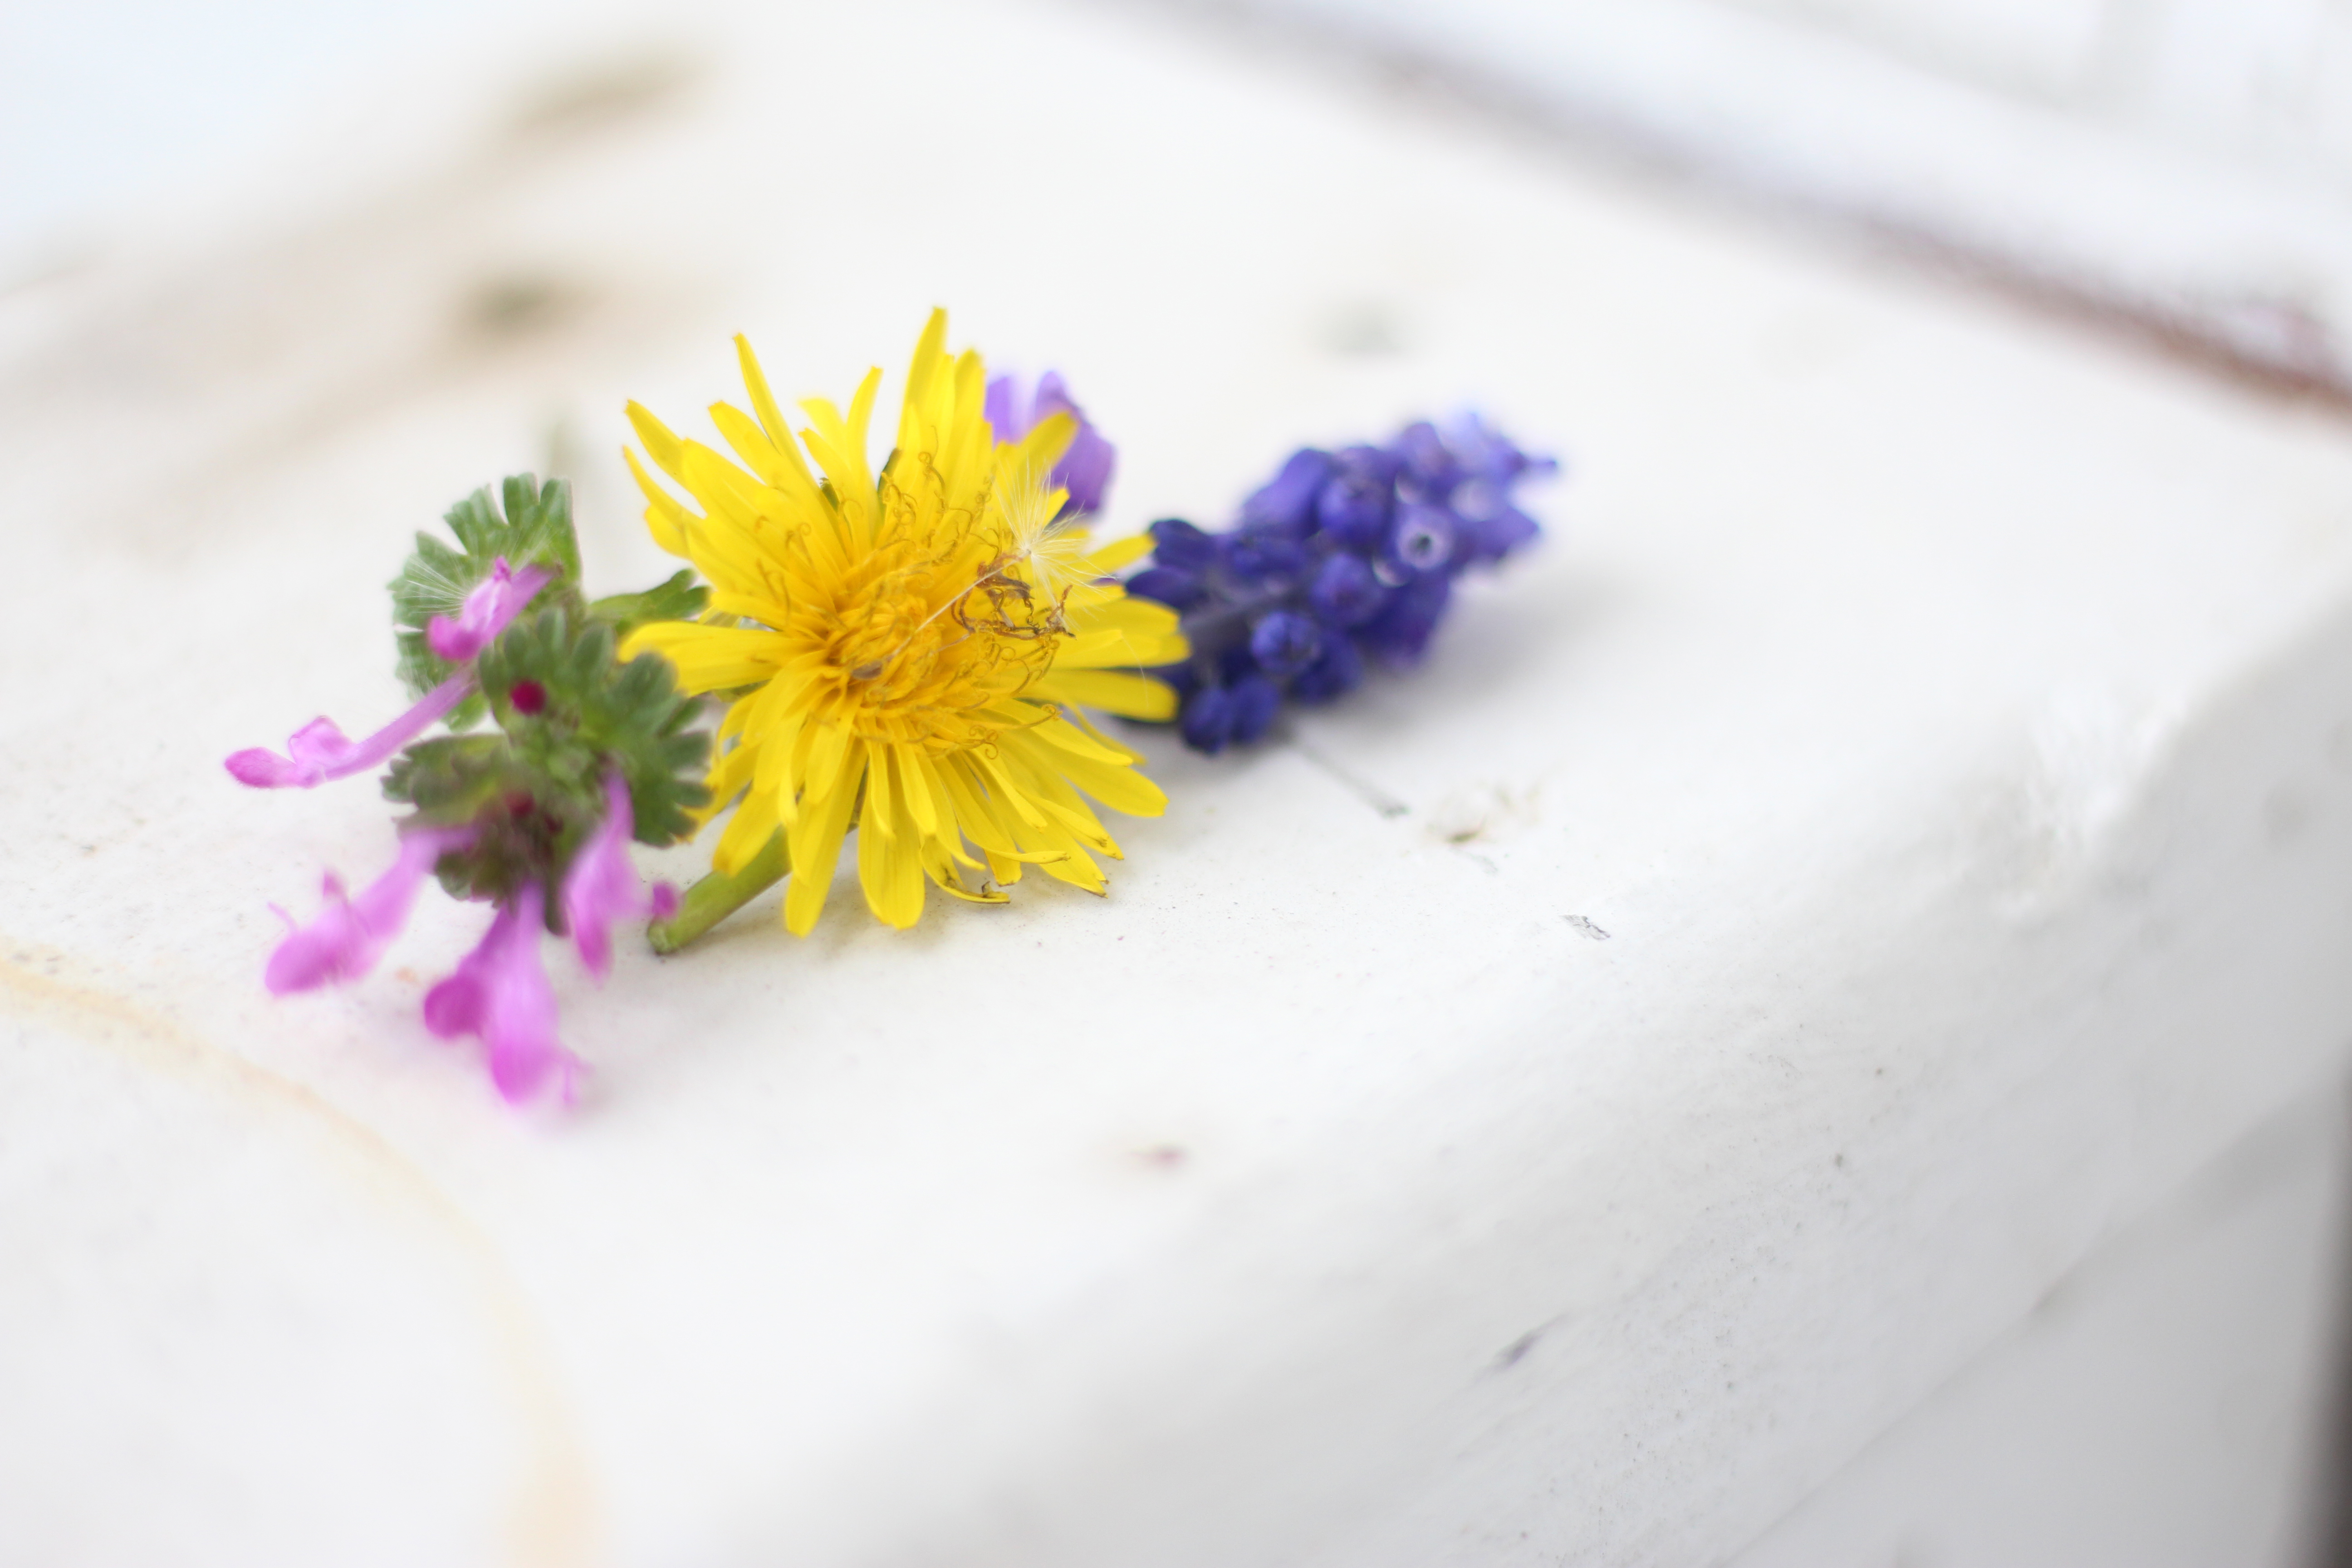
column 494, row 603
column 603, row 886
column 349, row 936
column 319, row 750
column 500, row 993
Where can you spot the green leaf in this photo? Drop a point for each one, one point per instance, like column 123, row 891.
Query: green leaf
column 678, row 599
column 533, row 529
column 568, row 714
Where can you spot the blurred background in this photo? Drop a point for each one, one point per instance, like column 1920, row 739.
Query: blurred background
column 2177, row 166
column 251, row 188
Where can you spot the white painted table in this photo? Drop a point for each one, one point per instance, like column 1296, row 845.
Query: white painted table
column 1946, row 719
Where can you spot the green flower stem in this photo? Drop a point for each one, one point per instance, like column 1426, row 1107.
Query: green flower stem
column 718, row 895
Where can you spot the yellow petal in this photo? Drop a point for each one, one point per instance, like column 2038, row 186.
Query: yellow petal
column 881, row 816
column 731, row 771
column 1078, row 869
column 979, row 823
column 660, row 442
column 709, row 658
column 748, row 832
column 1113, row 691
column 668, row 522
column 750, row 444
column 907, row 779
column 763, row 405
column 839, row 445
column 1108, row 558
column 1067, row 738
column 930, row 353
column 815, row 845
column 887, row 866
column 1042, row 448
column 1116, row 785
column 1120, row 646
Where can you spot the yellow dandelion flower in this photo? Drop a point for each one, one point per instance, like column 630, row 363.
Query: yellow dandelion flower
column 907, row 650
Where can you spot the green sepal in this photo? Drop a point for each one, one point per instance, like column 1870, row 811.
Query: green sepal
column 533, row 529
column 681, row 598
column 535, row 789
column 526, row 825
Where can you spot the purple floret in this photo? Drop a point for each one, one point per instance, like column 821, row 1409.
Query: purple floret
column 1207, row 720
column 1181, row 545
column 1285, row 642
column 501, row 992
column 1346, row 592
column 1287, row 505
column 495, row 601
column 319, row 751
column 351, row 934
column 603, row 886
column 1171, row 585
column 1339, row 671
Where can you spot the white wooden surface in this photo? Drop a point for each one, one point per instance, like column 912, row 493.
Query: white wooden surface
column 1949, row 723
column 2186, row 163
column 2166, row 1405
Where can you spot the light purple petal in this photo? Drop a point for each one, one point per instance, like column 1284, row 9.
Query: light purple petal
column 318, row 752
column 1084, row 470
column 494, row 601
column 1052, row 398
column 348, row 937
column 603, row 886
column 1006, row 408
column 501, row 992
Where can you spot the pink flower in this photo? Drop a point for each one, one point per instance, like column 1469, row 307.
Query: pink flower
column 603, row 886
column 348, row 937
column 318, row 752
column 495, row 601
column 501, row 992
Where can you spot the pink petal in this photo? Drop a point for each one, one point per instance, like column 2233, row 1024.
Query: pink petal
column 603, row 886
column 501, row 992
column 318, row 752
column 494, row 601
column 347, row 938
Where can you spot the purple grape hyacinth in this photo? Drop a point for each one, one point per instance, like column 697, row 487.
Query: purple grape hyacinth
column 1343, row 558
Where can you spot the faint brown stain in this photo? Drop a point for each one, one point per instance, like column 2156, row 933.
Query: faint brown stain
column 597, row 93
column 553, row 1519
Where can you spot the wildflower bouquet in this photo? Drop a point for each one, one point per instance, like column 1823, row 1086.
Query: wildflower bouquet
column 908, row 652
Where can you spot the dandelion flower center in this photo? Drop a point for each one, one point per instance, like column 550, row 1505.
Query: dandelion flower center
column 931, row 631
